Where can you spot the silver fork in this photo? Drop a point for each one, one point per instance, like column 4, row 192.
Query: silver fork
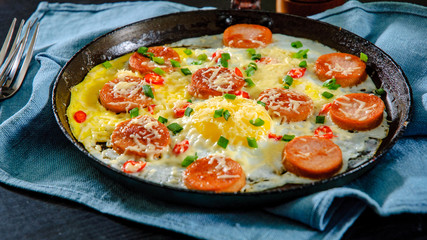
column 9, row 82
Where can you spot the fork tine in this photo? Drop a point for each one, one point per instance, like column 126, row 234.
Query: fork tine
column 7, row 41
column 17, row 84
column 5, row 67
column 17, row 60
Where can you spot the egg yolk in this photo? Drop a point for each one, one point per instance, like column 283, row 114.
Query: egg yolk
column 237, row 127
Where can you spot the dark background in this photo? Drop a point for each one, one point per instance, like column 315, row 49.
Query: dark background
column 29, row 215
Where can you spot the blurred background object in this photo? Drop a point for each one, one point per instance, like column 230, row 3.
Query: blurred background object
column 306, row 7
column 246, row 4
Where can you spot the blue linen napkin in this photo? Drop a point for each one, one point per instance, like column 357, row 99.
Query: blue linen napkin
column 36, row 156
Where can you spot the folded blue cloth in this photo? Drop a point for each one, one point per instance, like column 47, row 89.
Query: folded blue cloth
column 36, row 156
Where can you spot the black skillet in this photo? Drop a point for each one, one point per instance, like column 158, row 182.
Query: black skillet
column 167, row 29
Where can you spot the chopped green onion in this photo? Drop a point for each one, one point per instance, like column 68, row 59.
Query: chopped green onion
column 148, row 91
column 229, row 96
column 159, row 71
column 107, row 64
column 320, row 119
column 175, row 63
column 331, row 84
column 363, row 57
column 288, row 80
column 188, row 51
column 189, row 100
column 253, row 65
column 162, row 120
column 149, row 55
column 251, row 51
column 134, row 112
column 189, row 160
column 303, row 64
column 159, row 60
column 202, row 57
column 380, row 91
column 226, row 115
column 224, row 62
column 218, row 113
column 327, row 95
column 188, row 111
column 296, row 44
column 175, row 128
column 142, row 50
column 186, row 71
column 222, row 142
column 249, row 82
column 261, row 103
column 252, row 142
column 288, row 138
column 250, row 71
column 256, row 56
column 286, row 86
column 225, row 56
column 301, row 54
column 257, row 122
column 197, row 63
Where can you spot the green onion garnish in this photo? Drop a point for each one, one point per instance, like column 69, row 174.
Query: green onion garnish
column 261, row 103
column 288, row 80
column 189, row 160
column 303, row 64
column 222, row 142
column 327, row 95
column 286, row 86
column 175, row 128
column 142, row 50
column 229, row 96
column 249, row 82
column 188, row 111
column 188, row 51
column 363, row 57
column 107, row 64
column 159, row 60
column 162, row 120
column 218, row 113
column 186, row 71
column 252, row 142
column 149, row 55
column 250, row 71
column 288, row 138
column 379, row 91
column 175, row 63
column 251, row 51
column 226, row 115
column 301, row 54
column 202, row 57
column 148, row 91
column 296, row 44
column 134, row 112
column 189, row 100
column 253, row 65
column 224, row 59
column 256, row 56
column 197, row 63
column 320, row 119
column 257, row 122
column 331, row 84
column 159, row 71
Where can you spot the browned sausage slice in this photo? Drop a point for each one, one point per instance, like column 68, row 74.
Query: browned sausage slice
column 214, row 81
column 357, row 111
column 121, row 95
column 312, row 157
column 247, row 36
column 215, row 173
column 142, row 136
column 291, row 105
column 142, row 64
column 347, row 69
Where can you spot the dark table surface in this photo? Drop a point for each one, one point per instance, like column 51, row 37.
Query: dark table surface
column 29, row 215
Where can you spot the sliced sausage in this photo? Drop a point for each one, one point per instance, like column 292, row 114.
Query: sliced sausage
column 142, row 136
column 347, row 69
column 247, row 36
column 214, row 81
column 121, row 95
column 290, row 105
column 215, row 173
column 357, row 111
column 142, row 64
column 312, row 157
